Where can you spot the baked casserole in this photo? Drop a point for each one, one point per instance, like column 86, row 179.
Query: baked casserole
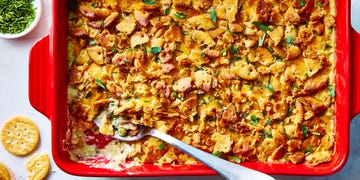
column 245, row 80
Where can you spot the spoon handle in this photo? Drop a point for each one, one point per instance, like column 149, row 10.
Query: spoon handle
column 227, row 169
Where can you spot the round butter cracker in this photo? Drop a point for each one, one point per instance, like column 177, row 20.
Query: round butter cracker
column 4, row 172
column 38, row 166
column 20, row 136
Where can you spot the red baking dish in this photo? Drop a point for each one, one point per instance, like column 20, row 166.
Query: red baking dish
column 48, row 92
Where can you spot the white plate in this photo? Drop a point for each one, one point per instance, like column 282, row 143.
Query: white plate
column 37, row 4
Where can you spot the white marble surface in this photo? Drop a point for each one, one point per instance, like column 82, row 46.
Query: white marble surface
column 14, row 101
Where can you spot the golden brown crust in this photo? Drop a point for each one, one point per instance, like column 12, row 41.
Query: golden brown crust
column 247, row 79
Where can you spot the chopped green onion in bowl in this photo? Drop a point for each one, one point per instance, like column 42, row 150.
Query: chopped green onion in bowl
column 18, row 17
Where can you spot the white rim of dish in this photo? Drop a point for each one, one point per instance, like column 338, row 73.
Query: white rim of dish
column 37, row 4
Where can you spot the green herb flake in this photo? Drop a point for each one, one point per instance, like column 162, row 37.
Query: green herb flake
column 289, row 40
column 269, row 86
column 296, row 87
column 210, row 98
column 92, row 42
column 219, row 103
column 235, row 159
column 115, row 120
column 88, row 94
column 305, row 130
column 234, row 49
column 94, row 5
column 175, row 94
column 302, row 3
column 308, row 150
column 332, row 91
column 217, row 72
column 100, row 83
column 102, row 23
column 262, row 26
column 202, row 55
column 148, row 1
column 262, row 40
column 228, row 29
column 254, row 120
column 180, row 15
column 154, row 50
column 287, row 135
column 200, row 68
column 218, row 153
column 213, row 14
column 115, row 50
column 290, row 110
column 266, row 134
column 162, row 146
column 167, row 10
column 268, row 121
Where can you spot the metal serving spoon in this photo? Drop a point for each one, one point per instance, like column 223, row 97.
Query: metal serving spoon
column 225, row 168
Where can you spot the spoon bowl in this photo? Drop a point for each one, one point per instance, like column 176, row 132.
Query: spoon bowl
column 225, row 168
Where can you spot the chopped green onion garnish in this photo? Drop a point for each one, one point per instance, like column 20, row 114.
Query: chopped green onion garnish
column 308, row 150
column 228, row 29
column 92, row 42
column 254, row 119
column 235, row 159
column 269, row 86
column 162, row 146
column 234, row 49
column 155, row 50
column 304, row 130
column 262, row 39
column 94, row 5
column 262, row 26
column 148, row 2
column 302, row 3
column 218, row 153
column 332, row 92
column 213, row 14
column 217, row 72
column 268, row 121
column 289, row 40
column 100, row 83
column 115, row 49
column 180, row 15
column 167, row 10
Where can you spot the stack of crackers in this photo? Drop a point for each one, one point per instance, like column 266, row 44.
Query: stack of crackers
column 20, row 136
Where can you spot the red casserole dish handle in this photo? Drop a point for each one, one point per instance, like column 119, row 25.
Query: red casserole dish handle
column 40, row 76
column 355, row 74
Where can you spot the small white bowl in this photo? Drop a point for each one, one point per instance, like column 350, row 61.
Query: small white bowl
column 37, row 4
